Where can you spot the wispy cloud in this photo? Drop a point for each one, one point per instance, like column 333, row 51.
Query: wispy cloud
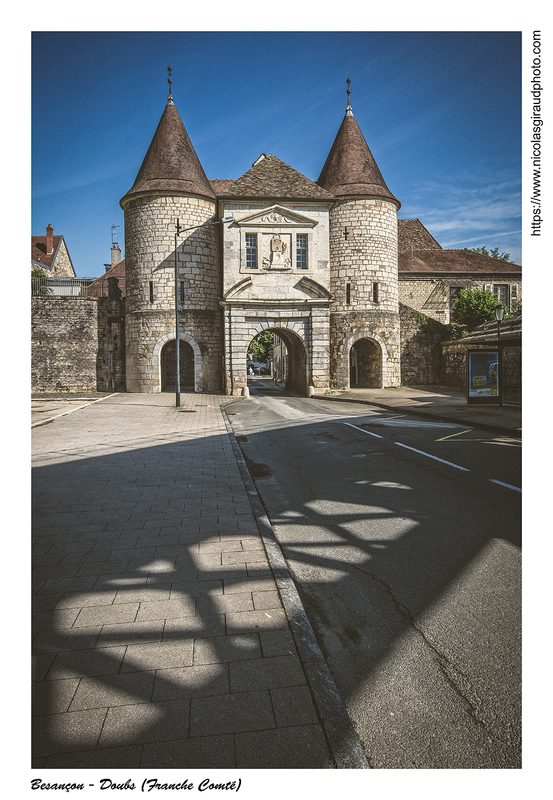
column 478, row 238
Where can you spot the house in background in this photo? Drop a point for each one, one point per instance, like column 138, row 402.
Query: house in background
column 431, row 277
column 112, row 282
column 50, row 254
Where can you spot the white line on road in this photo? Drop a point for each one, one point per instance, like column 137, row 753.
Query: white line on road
column 71, row 410
column 507, row 485
column 422, row 453
column 363, row 430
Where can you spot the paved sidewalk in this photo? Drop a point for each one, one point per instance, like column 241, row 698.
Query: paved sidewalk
column 439, row 402
column 160, row 637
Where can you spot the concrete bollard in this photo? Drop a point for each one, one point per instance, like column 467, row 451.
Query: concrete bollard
column 310, row 391
column 245, row 391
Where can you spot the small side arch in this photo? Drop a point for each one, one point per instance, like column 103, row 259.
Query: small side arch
column 367, row 361
column 197, row 355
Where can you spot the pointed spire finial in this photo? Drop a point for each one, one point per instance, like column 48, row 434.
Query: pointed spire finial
column 349, row 111
column 169, row 81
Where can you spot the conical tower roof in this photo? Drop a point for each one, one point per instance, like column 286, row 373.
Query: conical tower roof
column 350, row 168
column 171, row 164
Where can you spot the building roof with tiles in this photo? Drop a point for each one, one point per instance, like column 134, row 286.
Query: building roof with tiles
column 454, row 261
column 171, row 164
column 412, row 235
column 350, row 169
column 271, row 177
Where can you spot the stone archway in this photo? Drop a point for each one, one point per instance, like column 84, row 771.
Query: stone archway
column 365, row 364
column 297, row 373
column 292, row 360
column 304, row 331
column 191, row 363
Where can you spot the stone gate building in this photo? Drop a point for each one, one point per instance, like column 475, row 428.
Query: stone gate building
column 316, row 263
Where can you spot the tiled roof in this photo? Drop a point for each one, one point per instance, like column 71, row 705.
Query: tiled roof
column 411, row 232
column 171, row 163
column 220, row 184
column 350, row 168
column 454, row 261
column 271, row 177
column 38, row 250
column 99, row 287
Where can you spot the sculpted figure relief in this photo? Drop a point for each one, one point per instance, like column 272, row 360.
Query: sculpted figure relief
column 277, row 259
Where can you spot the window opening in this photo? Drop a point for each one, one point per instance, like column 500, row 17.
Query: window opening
column 501, row 294
column 301, row 251
column 251, row 251
column 348, row 294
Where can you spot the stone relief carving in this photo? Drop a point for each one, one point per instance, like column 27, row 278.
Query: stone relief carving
column 273, row 218
column 277, row 257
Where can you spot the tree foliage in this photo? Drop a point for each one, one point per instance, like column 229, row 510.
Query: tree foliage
column 493, row 253
column 473, row 307
column 39, row 282
column 262, row 345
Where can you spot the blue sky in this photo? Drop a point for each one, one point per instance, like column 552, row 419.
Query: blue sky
column 441, row 112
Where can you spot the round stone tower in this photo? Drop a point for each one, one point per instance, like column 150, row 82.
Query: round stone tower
column 364, row 319
column 171, row 187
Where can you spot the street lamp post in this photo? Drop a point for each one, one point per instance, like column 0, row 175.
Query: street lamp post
column 178, row 232
column 499, row 313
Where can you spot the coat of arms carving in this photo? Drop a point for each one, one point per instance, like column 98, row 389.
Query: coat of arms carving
column 277, row 258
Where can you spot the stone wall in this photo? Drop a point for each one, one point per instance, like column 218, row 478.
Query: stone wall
column 110, row 361
column 421, row 354
column 77, row 344
column 427, row 295
column 454, row 360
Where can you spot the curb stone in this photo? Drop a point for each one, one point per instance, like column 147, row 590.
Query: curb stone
column 341, row 737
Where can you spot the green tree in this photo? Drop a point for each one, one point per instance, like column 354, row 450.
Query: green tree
column 262, row 345
column 473, row 307
column 39, row 282
column 493, row 253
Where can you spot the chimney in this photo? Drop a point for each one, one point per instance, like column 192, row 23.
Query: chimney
column 49, row 241
column 115, row 254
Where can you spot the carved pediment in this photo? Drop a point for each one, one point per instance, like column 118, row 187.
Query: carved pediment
column 277, row 216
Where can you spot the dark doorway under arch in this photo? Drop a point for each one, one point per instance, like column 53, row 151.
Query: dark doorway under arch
column 365, row 364
column 169, row 366
column 290, row 361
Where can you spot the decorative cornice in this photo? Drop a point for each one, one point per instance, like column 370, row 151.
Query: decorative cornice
column 277, row 216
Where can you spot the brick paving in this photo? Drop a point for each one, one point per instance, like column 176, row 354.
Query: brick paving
column 159, row 634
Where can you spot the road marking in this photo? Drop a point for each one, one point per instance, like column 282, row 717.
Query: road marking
column 451, row 435
column 422, row 453
column 370, row 433
column 507, row 485
column 71, row 410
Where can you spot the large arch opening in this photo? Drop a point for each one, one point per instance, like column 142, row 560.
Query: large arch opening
column 365, row 364
column 169, row 366
column 286, row 362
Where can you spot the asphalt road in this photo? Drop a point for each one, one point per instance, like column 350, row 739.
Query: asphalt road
column 403, row 537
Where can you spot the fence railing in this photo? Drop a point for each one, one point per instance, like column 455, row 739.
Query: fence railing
column 78, row 287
